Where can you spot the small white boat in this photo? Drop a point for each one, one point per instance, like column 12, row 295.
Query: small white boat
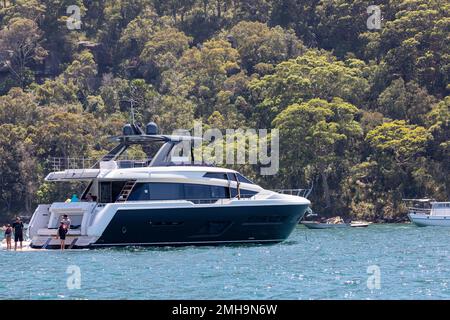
column 426, row 212
column 359, row 224
column 321, row 225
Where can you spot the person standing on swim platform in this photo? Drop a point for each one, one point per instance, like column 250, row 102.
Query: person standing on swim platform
column 18, row 233
column 62, row 231
column 66, row 222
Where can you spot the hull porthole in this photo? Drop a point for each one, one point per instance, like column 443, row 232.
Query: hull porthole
column 124, row 230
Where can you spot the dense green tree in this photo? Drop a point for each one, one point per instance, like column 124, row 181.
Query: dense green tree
column 364, row 114
column 413, row 43
column 405, row 101
column 375, row 187
column 139, row 31
column 19, row 108
column 162, row 51
column 397, row 139
column 204, row 71
column 312, row 75
column 257, row 43
column 27, row 9
column 340, row 23
column 438, row 121
column 320, row 134
column 20, row 46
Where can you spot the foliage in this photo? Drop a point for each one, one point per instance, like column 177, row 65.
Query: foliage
column 363, row 114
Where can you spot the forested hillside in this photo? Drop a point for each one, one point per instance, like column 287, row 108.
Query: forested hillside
column 363, row 114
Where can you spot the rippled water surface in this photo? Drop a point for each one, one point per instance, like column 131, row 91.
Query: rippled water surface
column 312, row 264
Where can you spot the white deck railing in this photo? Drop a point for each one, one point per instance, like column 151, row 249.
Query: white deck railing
column 295, row 192
column 414, row 210
column 61, row 164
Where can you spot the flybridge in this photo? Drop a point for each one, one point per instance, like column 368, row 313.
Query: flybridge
column 133, row 134
column 172, row 152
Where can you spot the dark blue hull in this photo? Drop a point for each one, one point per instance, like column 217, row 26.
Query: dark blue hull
column 201, row 225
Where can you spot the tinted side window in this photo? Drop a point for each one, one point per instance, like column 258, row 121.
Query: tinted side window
column 140, row 192
column 197, row 191
column 166, row 191
column 244, row 193
column 218, row 192
column 243, row 179
column 216, row 175
column 176, row 191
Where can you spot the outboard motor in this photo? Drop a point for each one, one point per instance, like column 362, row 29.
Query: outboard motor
column 151, row 129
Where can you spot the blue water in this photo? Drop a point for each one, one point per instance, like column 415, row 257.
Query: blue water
column 312, row 264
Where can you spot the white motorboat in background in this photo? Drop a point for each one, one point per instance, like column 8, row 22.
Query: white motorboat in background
column 427, row 212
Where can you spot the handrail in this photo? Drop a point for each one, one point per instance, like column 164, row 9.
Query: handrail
column 295, row 192
column 419, row 210
column 194, row 201
column 68, row 163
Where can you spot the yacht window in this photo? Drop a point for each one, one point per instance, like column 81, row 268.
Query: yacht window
column 216, row 175
column 231, row 176
column 218, row 192
column 105, row 192
column 166, row 191
column 177, row 191
column 243, row 179
column 116, row 188
column 141, row 191
column 244, row 193
column 197, row 192
column 110, row 190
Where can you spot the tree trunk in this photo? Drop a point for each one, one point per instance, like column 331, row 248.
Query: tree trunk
column 28, row 202
column 219, row 12
column 326, row 188
column 205, row 5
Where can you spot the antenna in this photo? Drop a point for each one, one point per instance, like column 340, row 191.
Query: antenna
column 131, row 101
column 132, row 112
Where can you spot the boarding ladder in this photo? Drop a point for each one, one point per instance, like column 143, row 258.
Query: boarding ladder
column 126, row 191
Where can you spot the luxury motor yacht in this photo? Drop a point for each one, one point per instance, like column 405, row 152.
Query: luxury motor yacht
column 163, row 201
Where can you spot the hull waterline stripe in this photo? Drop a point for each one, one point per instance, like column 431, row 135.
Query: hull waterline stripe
column 189, row 242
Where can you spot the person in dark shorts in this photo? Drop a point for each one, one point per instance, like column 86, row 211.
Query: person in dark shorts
column 8, row 235
column 18, row 233
column 62, row 231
